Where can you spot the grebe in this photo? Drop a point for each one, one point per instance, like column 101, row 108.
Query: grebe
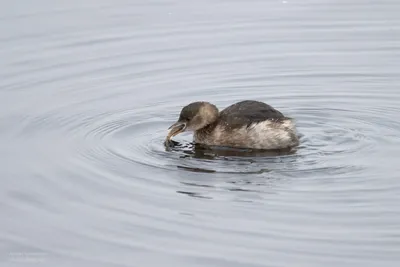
column 246, row 124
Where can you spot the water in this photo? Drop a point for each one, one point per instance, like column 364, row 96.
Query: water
column 89, row 88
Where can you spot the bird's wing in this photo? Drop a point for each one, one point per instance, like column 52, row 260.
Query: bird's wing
column 248, row 112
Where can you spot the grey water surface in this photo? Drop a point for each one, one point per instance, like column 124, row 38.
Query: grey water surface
column 88, row 89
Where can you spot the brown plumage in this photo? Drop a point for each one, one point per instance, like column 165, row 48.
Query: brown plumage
column 246, row 124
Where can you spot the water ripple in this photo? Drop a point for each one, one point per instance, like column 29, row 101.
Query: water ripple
column 88, row 92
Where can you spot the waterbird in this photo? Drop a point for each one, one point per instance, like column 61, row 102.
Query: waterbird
column 245, row 124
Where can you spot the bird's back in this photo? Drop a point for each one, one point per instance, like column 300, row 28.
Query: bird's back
column 247, row 112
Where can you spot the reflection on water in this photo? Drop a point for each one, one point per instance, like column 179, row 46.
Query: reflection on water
column 238, row 155
column 89, row 88
column 209, row 152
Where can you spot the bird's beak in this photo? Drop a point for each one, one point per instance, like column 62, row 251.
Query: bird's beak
column 176, row 128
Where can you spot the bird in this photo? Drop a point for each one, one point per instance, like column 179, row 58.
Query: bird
column 246, row 124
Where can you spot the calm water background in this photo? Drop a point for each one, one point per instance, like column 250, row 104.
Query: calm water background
column 88, row 89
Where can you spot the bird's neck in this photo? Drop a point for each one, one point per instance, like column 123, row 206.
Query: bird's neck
column 206, row 131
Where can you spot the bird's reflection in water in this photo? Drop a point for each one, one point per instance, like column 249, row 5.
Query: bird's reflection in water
column 199, row 151
column 239, row 157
